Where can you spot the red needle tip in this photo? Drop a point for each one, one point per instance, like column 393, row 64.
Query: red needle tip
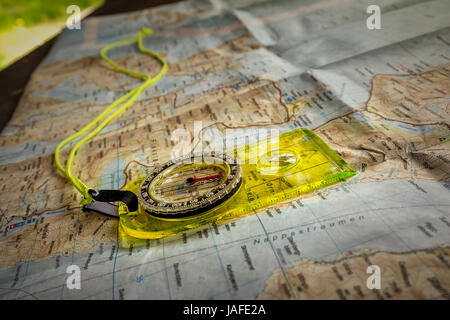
column 194, row 180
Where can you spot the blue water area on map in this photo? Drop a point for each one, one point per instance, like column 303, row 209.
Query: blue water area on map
column 67, row 90
column 26, row 151
column 358, row 117
column 18, row 224
column 411, row 128
column 113, row 176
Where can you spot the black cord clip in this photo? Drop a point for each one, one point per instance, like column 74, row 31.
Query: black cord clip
column 103, row 197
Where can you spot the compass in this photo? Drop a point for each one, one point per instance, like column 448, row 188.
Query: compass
column 190, row 186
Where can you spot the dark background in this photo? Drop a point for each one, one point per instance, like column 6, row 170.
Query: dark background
column 14, row 78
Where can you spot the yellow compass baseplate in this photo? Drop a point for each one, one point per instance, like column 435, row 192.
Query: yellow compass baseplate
column 301, row 163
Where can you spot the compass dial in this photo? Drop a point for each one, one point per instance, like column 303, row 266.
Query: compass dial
column 190, row 185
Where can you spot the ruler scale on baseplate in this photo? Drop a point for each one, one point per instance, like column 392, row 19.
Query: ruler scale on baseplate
column 200, row 189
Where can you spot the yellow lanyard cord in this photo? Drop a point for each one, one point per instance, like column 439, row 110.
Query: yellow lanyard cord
column 130, row 97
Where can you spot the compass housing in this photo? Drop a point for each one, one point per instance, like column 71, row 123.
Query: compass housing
column 155, row 201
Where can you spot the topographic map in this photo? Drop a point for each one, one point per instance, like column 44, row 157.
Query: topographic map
column 379, row 98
